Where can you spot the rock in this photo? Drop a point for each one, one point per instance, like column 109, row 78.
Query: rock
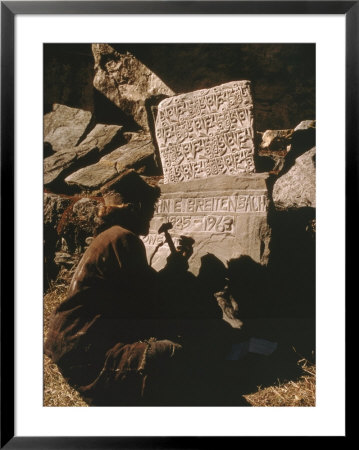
column 206, row 133
column 227, row 216
column 273, row 148
column 297, row 187
column 58, row 164
column 65, row 127
column 276, row 140
column 305, row 125
column 126, row 82
column 54, row 206
column 134, row 155
column 93, row 176
column 101, row 139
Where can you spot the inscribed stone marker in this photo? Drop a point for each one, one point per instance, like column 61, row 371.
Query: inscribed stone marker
column 226, row 216
column 206, row 133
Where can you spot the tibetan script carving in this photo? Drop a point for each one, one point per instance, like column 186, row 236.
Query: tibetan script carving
column 206, row 133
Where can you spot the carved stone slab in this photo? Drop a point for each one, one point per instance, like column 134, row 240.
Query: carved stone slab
column 226, row 216
column 206, row 133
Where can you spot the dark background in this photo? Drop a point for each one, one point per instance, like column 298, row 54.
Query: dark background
column 282, row 75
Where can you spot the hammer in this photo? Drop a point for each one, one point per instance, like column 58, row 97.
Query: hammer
column 164, row 229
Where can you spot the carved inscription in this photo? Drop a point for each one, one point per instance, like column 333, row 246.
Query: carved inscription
column 235, row 203
column 209, row 213
column 206, row 133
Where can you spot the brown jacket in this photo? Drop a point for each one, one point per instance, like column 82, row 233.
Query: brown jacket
column 116, row 341
column 112, row 298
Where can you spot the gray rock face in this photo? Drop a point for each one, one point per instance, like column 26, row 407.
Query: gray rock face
column 206, row 133
column 305, row 124
column 297, row 187
column 64, row 127
column 227, row 216
column 93, row 176
column 132, row 155
column 126, row 82
column 101, row 139
column 56, row 165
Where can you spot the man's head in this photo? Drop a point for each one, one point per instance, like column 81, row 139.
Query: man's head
column 130, row 202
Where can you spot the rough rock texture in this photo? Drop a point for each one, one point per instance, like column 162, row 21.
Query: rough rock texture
column 278, row 149
column 296, row 188
column 276, row 140
column 206, row 133
column 54, row 206
column 305, row 125
column 126, row 81
column 103, row 137
column 58, row 164
column 226, row 216
column 136, row 154
column 100, row 140
column 65, row 127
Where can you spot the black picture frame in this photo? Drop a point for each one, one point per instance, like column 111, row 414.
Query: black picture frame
column 9, row 10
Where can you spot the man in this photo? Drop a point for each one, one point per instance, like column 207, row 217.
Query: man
column 107, row 336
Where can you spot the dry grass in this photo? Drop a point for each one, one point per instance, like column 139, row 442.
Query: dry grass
column 298, row 393
column 58, row 393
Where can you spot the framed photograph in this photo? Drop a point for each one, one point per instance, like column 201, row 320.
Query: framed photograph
column 172, row 146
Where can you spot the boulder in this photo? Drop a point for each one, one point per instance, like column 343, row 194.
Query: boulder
column 276, row 140
column 65, row 127
column 126, row 82
column 136, row 154
column 226, row 216
column 100, row 140
column 305, row 125
column 296, row 188
column 273, row 147
column 58, row 164
column 103, row 137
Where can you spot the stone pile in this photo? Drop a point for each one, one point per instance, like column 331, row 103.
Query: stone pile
column 222, row 182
